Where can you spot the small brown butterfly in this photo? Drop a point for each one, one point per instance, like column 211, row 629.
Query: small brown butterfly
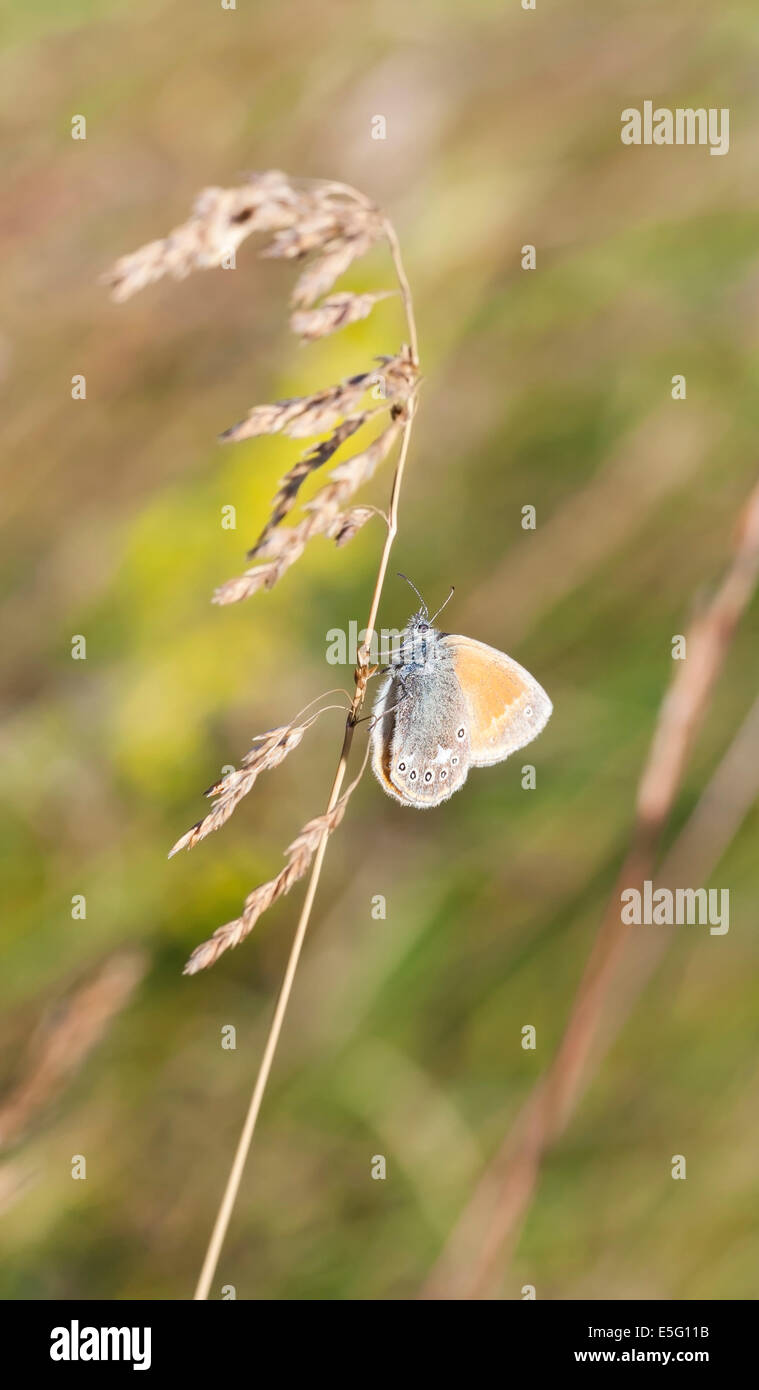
column 449, row 703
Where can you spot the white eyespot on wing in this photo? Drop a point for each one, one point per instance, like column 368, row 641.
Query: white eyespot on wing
column 438, row 779
column 421, row 782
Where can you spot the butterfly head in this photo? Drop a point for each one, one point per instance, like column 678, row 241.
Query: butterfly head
column 417, row 639
column 419, row 636
column 419, row 624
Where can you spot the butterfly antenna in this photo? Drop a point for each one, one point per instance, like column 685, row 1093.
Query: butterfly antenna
column 442, row 606
column 416, row 591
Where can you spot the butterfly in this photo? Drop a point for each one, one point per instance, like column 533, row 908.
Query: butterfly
column 448, row 703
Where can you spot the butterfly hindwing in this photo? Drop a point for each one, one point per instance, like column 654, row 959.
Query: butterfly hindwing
column 420, row 742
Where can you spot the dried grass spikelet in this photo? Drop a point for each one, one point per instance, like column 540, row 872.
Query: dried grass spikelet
column 333, row 226
column 299, row 856
column 303, row 416
column 221, row 219
column 338, row 229
column 318, row 219
column 319, row 277
column 282, row 547
column 269, row 750
column 315, row 458
column 334, row 313
column 398, row 378
column 347, row 524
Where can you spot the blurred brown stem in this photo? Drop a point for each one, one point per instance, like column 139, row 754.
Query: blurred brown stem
column 66, row 1036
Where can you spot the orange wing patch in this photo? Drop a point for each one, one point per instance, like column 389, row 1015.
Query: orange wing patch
column 508, row 707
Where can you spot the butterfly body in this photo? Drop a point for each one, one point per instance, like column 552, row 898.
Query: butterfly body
column 448, row 703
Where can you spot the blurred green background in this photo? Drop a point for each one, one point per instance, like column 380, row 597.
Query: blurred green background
column 550, row 388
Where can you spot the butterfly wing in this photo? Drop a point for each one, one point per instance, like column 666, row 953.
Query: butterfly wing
column 507, row 707
column 420, row 748
column 382, row 729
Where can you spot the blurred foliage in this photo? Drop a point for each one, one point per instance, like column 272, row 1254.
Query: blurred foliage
column 544, row 388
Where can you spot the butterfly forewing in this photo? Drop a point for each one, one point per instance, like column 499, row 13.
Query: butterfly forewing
column 507, row 706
